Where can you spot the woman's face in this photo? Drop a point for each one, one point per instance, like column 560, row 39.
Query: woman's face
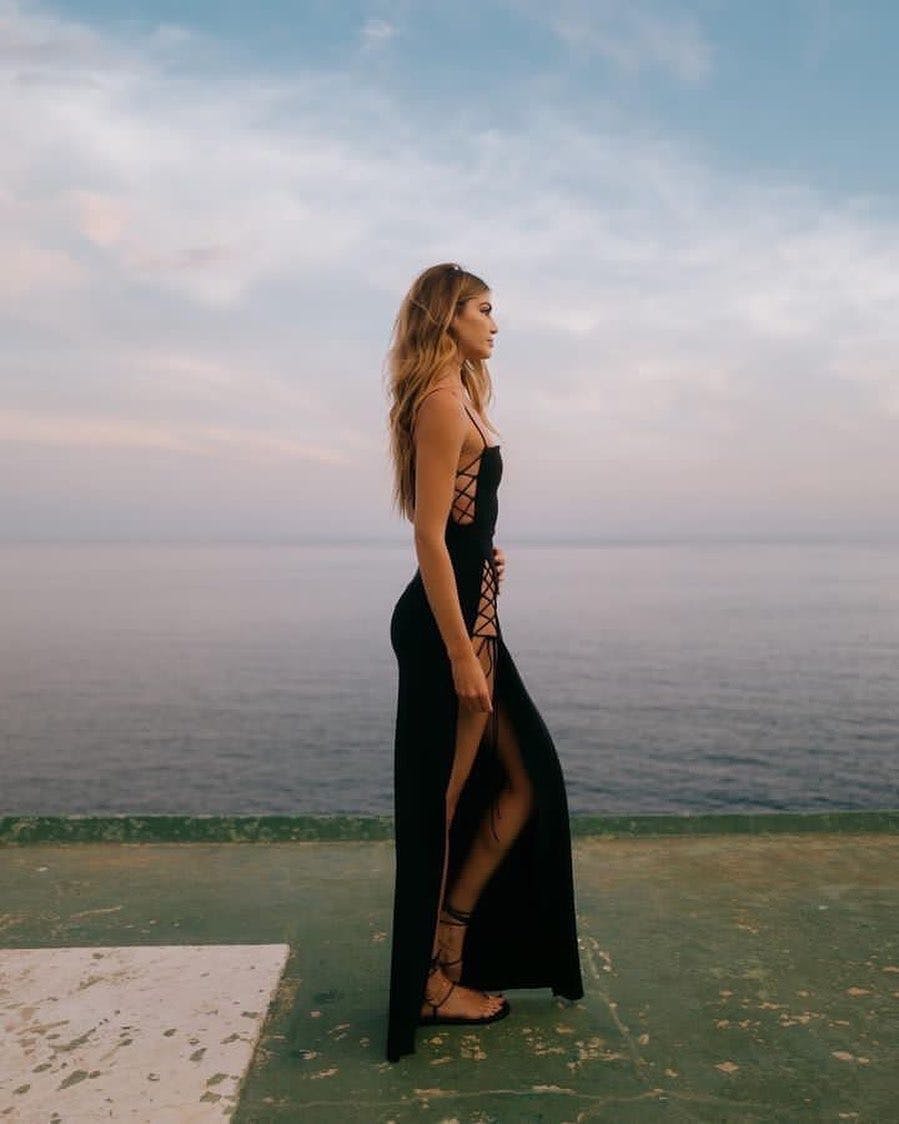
column 474, row 327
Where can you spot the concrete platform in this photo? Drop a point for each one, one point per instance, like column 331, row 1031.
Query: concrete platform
column 162, row 1033
column 731, row 975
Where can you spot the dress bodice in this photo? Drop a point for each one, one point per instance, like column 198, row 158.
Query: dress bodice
column 473, row 514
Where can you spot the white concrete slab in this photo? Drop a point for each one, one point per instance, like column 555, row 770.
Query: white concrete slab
column 161, row 1034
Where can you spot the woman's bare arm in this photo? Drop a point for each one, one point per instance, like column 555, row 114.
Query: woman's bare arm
column 440, row 434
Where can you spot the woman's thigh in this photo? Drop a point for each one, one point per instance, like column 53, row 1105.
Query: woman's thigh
column 469, row 731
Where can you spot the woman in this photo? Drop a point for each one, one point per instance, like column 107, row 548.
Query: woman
column 484, row 896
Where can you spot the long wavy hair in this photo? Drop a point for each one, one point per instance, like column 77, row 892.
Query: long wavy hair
column 422, row 349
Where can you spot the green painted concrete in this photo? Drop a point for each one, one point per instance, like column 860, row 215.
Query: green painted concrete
column 131, row 828
column 744, row 976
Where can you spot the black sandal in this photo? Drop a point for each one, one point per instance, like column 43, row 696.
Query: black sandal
column 435, row 1019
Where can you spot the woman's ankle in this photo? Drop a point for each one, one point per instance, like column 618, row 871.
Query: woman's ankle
column 461, row 915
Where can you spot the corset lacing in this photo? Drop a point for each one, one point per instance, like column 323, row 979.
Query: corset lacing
column 484, row 632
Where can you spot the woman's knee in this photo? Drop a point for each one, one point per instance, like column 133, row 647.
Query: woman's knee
column 520, row 784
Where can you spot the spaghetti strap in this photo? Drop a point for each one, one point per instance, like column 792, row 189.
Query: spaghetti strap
column 474, row 419
column 433, row 390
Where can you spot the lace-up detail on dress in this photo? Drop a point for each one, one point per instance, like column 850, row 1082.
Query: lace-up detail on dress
column 465, row 494
column 463, row 512
column 484, row 633
column 484, row 637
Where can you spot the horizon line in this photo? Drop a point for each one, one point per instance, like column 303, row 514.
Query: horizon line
column 380, row 540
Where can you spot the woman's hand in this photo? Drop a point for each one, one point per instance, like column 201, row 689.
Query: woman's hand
column 499, row 557
column 471, row 682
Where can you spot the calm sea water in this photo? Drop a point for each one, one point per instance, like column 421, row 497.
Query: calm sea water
column 260, row 679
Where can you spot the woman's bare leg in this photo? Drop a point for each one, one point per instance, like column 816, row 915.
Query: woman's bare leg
column 501, row 824
column 461, row 1000
column 470, row 730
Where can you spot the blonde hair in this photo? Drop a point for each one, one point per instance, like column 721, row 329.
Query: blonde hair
column 421, row 350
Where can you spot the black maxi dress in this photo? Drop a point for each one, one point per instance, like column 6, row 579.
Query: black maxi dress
column 523, row 931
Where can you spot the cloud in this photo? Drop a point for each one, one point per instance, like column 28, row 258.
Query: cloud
column 30, row 268
column 31, row 40
column 94, row 432
column 375, row 33
column 633, row 36
column 231, row 249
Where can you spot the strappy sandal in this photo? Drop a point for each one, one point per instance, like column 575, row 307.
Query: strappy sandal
column 466, row 1020
column 462, row 917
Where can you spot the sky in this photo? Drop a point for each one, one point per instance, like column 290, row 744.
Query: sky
column 687, row 213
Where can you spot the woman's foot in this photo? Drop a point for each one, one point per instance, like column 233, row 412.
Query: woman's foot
column 451, row 938
column 456, row 1002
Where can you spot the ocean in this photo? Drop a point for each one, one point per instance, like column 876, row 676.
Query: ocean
column 252, row 679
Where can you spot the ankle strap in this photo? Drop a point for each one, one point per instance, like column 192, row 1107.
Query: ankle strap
column 463, row 915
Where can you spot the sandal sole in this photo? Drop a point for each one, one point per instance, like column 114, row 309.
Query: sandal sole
column 462, row 1020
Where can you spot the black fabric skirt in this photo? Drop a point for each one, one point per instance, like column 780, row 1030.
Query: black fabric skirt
column 523, row 931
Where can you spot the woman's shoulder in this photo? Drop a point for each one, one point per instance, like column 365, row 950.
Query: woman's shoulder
column 445, row 391
column 440, row 415
column 441, row 401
